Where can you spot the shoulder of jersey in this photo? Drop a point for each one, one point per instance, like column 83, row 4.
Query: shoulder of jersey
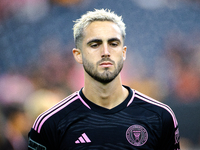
column 54, row 111
column 154, row 105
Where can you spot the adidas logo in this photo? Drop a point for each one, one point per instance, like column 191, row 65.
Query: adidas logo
column 83, row 139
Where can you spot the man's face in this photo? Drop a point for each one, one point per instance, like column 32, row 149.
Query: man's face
column 103, row 53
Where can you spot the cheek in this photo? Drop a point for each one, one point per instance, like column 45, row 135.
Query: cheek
column 119, row 56
column 91, row 57
column 88, row 60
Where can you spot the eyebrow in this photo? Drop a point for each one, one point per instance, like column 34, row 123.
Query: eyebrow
column 94, row 41
column 100, row 41
column 114, row 39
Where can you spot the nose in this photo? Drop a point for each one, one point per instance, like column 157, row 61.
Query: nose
column 105, row 51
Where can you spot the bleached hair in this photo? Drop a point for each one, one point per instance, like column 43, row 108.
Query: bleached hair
column 96, row 15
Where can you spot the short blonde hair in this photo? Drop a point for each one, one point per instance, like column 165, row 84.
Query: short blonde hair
column 96, row 15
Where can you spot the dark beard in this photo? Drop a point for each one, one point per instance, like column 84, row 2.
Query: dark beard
column 106, row 76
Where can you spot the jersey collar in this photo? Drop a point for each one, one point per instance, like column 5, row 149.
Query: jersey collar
column 103, row 110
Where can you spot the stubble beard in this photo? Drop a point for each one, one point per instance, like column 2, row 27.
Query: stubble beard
column 106, row 76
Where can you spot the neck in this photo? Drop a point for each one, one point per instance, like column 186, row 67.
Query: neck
column 105, row 95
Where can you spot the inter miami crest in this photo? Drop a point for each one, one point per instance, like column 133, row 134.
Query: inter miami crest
column 137, row 135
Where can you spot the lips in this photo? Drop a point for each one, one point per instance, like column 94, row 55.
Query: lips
column 106, row 64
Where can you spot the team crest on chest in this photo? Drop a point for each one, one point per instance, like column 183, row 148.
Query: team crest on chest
column 137, row 135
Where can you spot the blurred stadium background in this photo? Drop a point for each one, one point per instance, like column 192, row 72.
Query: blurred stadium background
column 37, row 68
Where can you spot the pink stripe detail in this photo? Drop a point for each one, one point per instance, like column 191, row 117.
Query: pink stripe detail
column 35, row 125
column 86, row 137
column 131, row 98
column 81, row 140
column 83, row 101
column 55, row 111
column 77, row 141
column 153, row 101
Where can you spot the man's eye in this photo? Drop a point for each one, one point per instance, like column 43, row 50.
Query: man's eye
column 94, row 45
column 114, row 44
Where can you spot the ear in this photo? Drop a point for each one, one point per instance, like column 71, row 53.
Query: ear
column 124, row 52
column 77, row 55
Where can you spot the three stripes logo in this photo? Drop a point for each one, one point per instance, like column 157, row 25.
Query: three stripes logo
column 83, row 139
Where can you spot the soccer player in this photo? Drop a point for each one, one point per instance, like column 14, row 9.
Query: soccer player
column 104, row 114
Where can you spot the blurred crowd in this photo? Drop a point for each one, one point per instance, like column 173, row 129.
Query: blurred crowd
column 37, row 68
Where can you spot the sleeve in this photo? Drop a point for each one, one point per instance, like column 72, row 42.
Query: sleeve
column 45, row 139
column 170, row 132
column 35, row 141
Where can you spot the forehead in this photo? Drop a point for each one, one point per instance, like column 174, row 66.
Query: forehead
column 102, row 30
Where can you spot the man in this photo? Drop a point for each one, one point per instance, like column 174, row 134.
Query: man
column 104, row 114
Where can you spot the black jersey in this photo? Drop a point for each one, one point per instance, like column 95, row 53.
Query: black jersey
column 75, row 123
